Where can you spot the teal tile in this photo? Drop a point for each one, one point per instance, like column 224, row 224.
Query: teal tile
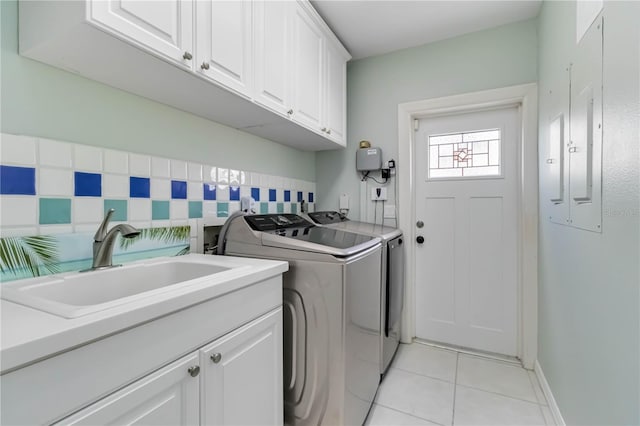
column 280, row 207
column 159, row 210
column 195, row 209
column 264, row 208
column 294, row 208
column 55, row 210
column 223, row 209
column 120, row 207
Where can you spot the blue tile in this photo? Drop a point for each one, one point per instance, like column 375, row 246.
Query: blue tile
column 272, row 195
column 160, row 210
column 209, row 191
column 255, row 194
column 17, row 180
column 234, row 193
column 139, row 187
column 120, row 207
column 287, row 196
column 178, row 189
column 300, row 197
column 55, row 211
column 311, row 197
column 195, row 209
column 88, row 184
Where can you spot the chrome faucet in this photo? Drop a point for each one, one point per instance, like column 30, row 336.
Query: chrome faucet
column 104, row 241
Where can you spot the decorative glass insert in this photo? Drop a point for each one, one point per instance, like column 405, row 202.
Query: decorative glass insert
column 467, row 154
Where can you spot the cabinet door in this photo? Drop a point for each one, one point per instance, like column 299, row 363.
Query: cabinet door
column 223, row 40
column 170, row 396
column 164, row 27
column 242, row 375
column 336, row 83
column 308, row 68
column 272, row 47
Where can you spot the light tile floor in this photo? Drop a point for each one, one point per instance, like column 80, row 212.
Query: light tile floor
column 427, row 385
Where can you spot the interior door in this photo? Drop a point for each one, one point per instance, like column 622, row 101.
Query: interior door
column 466, row 174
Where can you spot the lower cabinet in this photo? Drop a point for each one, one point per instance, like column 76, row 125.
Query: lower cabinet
column 237, row 379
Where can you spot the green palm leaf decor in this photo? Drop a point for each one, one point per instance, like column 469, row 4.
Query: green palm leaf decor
column 37, row 255
column 175, row 234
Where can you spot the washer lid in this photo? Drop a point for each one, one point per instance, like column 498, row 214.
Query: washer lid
column 335, row 220
column 318, row 239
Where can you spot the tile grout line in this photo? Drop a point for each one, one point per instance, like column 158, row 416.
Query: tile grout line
column 425, row 375
column 407, row 414
column 500, row 394
column 455, row 388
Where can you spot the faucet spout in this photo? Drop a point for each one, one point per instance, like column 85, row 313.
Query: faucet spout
column 104, row 241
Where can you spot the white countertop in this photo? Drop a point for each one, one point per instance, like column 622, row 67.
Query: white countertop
column 28, row 335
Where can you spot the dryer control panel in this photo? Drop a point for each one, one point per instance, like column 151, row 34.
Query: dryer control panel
column 272, row 222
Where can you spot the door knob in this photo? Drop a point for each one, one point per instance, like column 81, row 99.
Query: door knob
column 419, row 224
column 420, row 239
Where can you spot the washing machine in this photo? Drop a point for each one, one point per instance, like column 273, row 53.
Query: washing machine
column 331, row 313
column 392, row 272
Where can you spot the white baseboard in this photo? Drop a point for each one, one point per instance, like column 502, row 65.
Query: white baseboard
column 553, row 406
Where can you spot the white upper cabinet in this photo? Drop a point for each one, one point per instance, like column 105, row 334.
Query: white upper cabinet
column 272, row 54
column 308, row 63
column 163, row 26
column 223, row 42
column 336, row 86
column 268, row 67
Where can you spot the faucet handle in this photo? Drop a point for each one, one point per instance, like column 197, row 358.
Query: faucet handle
column 102, row 230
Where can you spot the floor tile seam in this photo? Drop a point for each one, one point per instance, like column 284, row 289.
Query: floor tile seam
column 495, row 360
column 499, row 358
column 424, row 375
column 455, row 390
column 500, row 394
column 408, row 414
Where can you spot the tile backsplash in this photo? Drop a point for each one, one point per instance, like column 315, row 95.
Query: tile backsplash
column 55, row 187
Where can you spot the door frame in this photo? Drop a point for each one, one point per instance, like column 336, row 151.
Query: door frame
column 526, row 96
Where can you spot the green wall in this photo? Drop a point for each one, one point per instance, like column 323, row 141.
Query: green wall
column 589, row 283
column 40, row 100
column 498, row 57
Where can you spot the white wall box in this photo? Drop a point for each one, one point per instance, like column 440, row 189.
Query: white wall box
column 142, row 373
column 572, row 167
column 222, row 60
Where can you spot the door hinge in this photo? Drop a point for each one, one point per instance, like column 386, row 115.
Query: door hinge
column 416, row 124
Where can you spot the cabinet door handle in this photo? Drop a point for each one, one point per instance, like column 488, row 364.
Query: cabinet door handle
column 290, row 112
column 324, row 129
column 216, row 357
column 205, row 66
column 550, row 161
column 194, row 371
column 187, row 56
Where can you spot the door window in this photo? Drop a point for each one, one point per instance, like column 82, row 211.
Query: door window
column 465, row 154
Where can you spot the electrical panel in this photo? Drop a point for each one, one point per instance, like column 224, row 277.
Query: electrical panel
column 571, row 151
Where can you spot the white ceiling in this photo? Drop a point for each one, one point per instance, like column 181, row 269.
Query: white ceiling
column 373, row 27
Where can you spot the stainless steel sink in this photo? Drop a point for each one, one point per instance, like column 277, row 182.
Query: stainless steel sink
column 76, row 294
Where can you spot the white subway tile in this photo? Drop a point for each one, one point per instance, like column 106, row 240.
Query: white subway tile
column 18, row 211
column 286, row 183
column 18, row 232
column 209, row 174
column 255, row 179
column 160, row 167
column 139, row 209
column 55, row 182
column 264, row 180
column 245, row 191
column 194, row 172
column 243, row 177
column 55, row 229
column 181, row 222
column 139, row 165
column 276, row 182
column 209, row 208
column 234, row 177
column 87, row 210
column 222, row 193
column 234, row 206
column 223, row 176
column 264, row 194
column 179, row 209
column 116, row 162
column 280, row 195
column 115, row 186
column 85, row 228
column 16, row 149
column 193, row 246
column 193, row 225
column 160, row 223
column 87, row 158
column 178, row 170
column 195, row 191
column 273, row 207
column 160, row 189
column 142, row 224
column 55, row 153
